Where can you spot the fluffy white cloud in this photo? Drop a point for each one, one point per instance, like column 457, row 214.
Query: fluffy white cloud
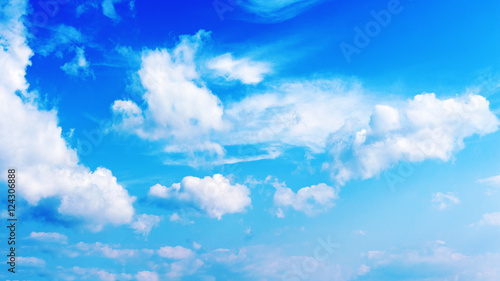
column 144, row 223
column 179, row 106
column 79, row 65
column 445, row 200
column 309, row 200
column 176, row 252
column 422, row 128
column 49, row 236
column 147, row 276
column 130, row 113
column 245, row 70
column 214, row 195
column 48, row 166
column 365, row 138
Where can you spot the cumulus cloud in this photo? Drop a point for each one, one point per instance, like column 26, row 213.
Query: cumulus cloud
column 50, row 168
column 420, row 129
column 147, row 276
column 144, row 223
column 176, row 252
column 310, row 200
column 215, row 195
column 179, row 106
column 49, row 237
column 245, row 70
column 445, row 200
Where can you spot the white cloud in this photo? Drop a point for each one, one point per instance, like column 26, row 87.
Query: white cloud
column 245, row 70
column 276, row 11
column 108, row 9
column 491, row 219
column 95, row 273
column 445, row 200
column 422, row 128
column 438, row 259
column 63, row 37
column 130, row 113
column 105, row 250
column 147, row 276
column 49, row 236
column 184, row 267
column 363, row 270
column 303, row 114
column 181, row 111
column 214, row 195
column 196, row 246
column 310, row 200
column 179, row 106
column 280, row 214
column 79, row 65
column 365, row 138
column 176, row 252
column 143, row 224
column 30, row 261
column 174, row 217
column 492, row 181
column 264, row 262
column 50, row 168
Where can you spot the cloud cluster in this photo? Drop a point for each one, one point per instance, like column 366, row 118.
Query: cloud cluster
column 215, row 195
column 420, row 129
column 45, row 162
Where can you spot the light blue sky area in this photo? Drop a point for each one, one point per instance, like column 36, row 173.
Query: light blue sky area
column 252, row 140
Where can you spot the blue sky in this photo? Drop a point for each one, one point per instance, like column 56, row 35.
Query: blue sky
column 252, row 140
